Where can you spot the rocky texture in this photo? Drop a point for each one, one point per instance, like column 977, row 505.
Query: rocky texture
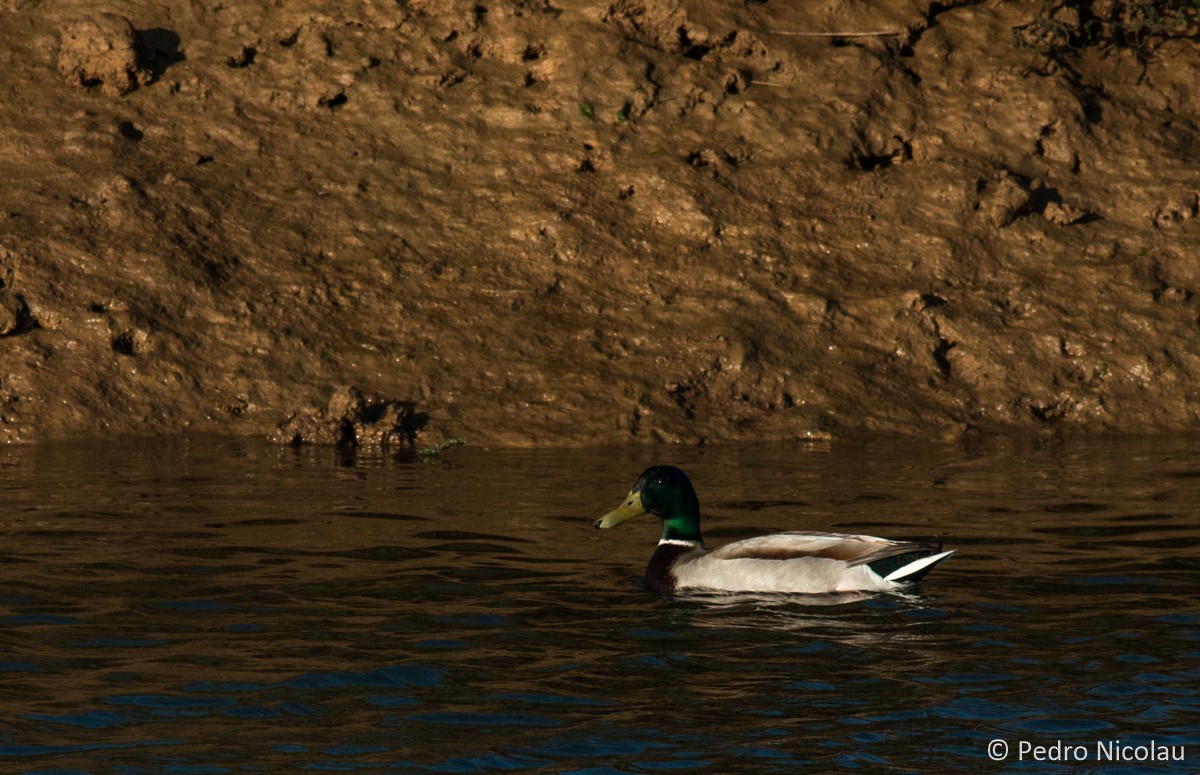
column 351, row 420
column 101, row 50
column 568, row 223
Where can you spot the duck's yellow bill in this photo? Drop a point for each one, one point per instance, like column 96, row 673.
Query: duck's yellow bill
column 631, row 508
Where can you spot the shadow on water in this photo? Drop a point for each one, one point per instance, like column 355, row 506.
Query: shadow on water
column 200, row 605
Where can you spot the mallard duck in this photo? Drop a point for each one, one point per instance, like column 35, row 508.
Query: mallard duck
column 784, row 562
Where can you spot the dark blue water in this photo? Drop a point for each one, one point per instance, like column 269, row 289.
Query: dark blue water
column 200, row 606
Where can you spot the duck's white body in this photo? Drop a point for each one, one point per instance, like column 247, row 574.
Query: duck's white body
column 807, row 563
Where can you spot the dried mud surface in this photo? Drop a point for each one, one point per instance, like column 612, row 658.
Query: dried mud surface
column 551, row 222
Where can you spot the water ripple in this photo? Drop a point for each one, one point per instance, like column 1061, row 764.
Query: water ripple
column 237, row 609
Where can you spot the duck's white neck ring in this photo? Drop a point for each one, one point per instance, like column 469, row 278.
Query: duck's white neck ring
column 676, row 542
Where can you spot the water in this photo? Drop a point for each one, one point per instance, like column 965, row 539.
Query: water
column 205, row 606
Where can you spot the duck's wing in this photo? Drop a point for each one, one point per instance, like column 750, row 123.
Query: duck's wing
column 850, row 549
column 881, row 560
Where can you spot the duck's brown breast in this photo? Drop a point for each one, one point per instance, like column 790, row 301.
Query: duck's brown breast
column 659, row 575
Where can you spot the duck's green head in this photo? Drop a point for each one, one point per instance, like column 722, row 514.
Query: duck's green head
column 667, row 493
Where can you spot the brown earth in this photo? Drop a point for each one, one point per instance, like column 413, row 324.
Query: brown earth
column 552, row 222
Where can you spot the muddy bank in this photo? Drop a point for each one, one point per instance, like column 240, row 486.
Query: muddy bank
column 567, row 223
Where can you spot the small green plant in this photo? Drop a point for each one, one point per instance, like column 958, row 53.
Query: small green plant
column 623, row 114
column 433, row 453
column 587, row 110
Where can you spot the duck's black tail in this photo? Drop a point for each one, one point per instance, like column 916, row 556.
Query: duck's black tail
column 910, row 567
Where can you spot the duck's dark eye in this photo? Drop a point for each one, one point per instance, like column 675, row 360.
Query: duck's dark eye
column 660, row 482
